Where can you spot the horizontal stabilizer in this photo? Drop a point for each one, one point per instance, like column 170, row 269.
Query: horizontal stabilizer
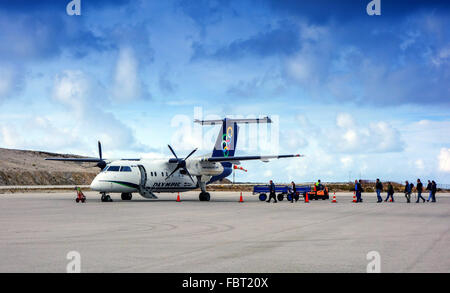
column 231, row 120
column 248, row 158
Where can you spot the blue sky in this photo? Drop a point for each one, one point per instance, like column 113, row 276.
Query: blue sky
column 358, row 95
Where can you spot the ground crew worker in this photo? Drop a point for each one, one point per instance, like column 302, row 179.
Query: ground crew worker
column 419, row 188
column 379, row 189
column 294, row 192
column 433, row 191
column 390, row 192
column 272, row 192
column 358, row 191
column 407, row 191
column 430, row 196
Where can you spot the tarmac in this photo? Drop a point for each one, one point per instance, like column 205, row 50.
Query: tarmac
column 38, row 230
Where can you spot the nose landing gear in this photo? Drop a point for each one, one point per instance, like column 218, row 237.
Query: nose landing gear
column 105, row 197
column 204, row 196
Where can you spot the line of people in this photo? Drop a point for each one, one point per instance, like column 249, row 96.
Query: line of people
column 408, row 190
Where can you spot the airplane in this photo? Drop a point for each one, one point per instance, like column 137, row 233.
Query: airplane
column 150, row 176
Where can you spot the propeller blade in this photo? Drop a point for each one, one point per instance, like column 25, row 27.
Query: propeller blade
column 172, row 151
column 189, row 174
column 190, row 154
column 178, row 167
column 100, row 150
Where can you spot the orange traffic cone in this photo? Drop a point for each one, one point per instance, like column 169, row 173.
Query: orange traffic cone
column 334, row 197
column 178, row 197
column 241, row 199
column 354, row 197
column 306, row 198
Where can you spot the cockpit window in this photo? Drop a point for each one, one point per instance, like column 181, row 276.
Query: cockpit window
column 113, row 168
column 125, row 169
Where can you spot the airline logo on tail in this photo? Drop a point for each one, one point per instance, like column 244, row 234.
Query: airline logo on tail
column 226, row 141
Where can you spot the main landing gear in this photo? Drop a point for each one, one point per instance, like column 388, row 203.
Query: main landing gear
column 106, row 197
column 126, row 196
column 204, row 196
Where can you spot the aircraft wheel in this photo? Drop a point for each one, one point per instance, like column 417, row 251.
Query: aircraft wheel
column 296, row 197
column 126, row 196
column 280, row 197
column 106, row 198
column 204, row 196
column 262, row 197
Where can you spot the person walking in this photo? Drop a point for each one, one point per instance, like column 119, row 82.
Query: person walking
column 390, row 192
column 272, row 192
column 358, row 191
column 419, row 188
column 433, row 191
column 294, row 192
column 430, row 195
column 407, row 191
column 379, row 189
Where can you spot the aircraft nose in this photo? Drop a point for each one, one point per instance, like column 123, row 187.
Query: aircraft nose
column 95, row 185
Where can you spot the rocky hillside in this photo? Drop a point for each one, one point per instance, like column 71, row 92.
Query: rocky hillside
column 19, row 167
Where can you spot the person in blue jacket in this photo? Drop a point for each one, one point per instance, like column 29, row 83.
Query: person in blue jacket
column 407, row 191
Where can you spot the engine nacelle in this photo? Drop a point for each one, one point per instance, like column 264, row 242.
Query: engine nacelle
column 198, row 168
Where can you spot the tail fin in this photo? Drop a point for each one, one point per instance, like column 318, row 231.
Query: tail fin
column 226, row 140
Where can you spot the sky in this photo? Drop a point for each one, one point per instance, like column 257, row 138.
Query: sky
column 359, row 96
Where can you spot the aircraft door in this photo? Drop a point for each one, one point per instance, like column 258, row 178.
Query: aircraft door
column 143, row 175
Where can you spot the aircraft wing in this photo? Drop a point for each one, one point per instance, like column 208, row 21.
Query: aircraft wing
column 81, row 160
column 248, row 158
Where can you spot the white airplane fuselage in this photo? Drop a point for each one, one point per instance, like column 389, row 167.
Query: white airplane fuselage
column 125, row 176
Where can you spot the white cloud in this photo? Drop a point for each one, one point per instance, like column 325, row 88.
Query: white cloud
column 444, row 160
column 268, row 173
column 348, row 136
column 419, row 164
column 11, row 81
column 127, row 84
column 71, row 88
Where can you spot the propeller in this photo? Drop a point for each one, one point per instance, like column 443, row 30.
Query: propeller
column 181, row 163
column 101, row 164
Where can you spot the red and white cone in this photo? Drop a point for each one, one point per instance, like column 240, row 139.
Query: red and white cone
column 334, row 198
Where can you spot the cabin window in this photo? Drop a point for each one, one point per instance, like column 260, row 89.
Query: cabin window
column 125, row 169
column 113, row 168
